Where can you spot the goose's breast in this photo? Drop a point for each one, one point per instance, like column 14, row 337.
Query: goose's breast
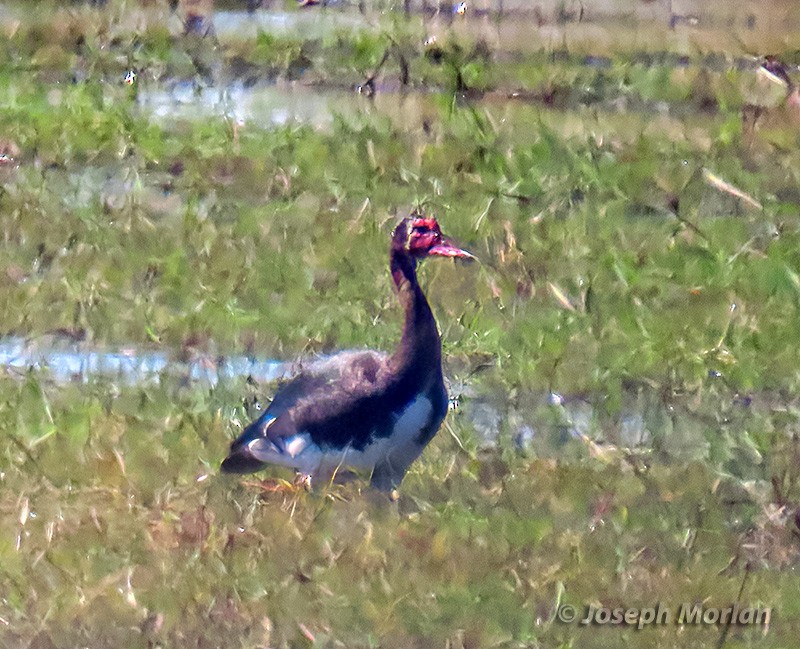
column 405, row 430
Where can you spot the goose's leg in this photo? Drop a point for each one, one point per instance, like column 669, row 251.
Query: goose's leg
column 390, row 471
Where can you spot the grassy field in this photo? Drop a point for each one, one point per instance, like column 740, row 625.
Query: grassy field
column 624, row 355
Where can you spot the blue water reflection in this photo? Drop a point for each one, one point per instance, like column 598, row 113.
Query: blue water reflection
column 72, row 362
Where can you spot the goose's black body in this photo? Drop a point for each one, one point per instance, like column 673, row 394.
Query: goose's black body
column 364, row 410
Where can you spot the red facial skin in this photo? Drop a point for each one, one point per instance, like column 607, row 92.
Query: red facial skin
column 425, row 239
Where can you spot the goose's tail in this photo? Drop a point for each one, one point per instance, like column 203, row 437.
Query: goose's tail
column 241, row 458
column 254, row 450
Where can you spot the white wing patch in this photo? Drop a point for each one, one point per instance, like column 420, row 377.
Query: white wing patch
column 415, row 417
column 296, row 444
column 265, row 451
column 302, row 454
column 401, row 443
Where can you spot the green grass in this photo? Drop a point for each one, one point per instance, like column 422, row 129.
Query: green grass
column 610, row 266
column 121, row 532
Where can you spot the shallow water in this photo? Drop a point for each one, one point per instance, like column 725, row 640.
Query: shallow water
column 544, row 421
column 518, row 25
column 275, row 105
column 312, row 24
column 129, row 365
column 262, row 106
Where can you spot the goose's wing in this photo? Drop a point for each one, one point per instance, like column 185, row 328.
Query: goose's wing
column 330, row 403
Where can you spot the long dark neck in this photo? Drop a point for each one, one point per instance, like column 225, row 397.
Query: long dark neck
column 419, row 350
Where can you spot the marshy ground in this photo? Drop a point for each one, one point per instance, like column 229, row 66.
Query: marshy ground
column 623, row 363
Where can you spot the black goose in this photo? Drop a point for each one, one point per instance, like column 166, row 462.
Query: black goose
column 363, row 410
